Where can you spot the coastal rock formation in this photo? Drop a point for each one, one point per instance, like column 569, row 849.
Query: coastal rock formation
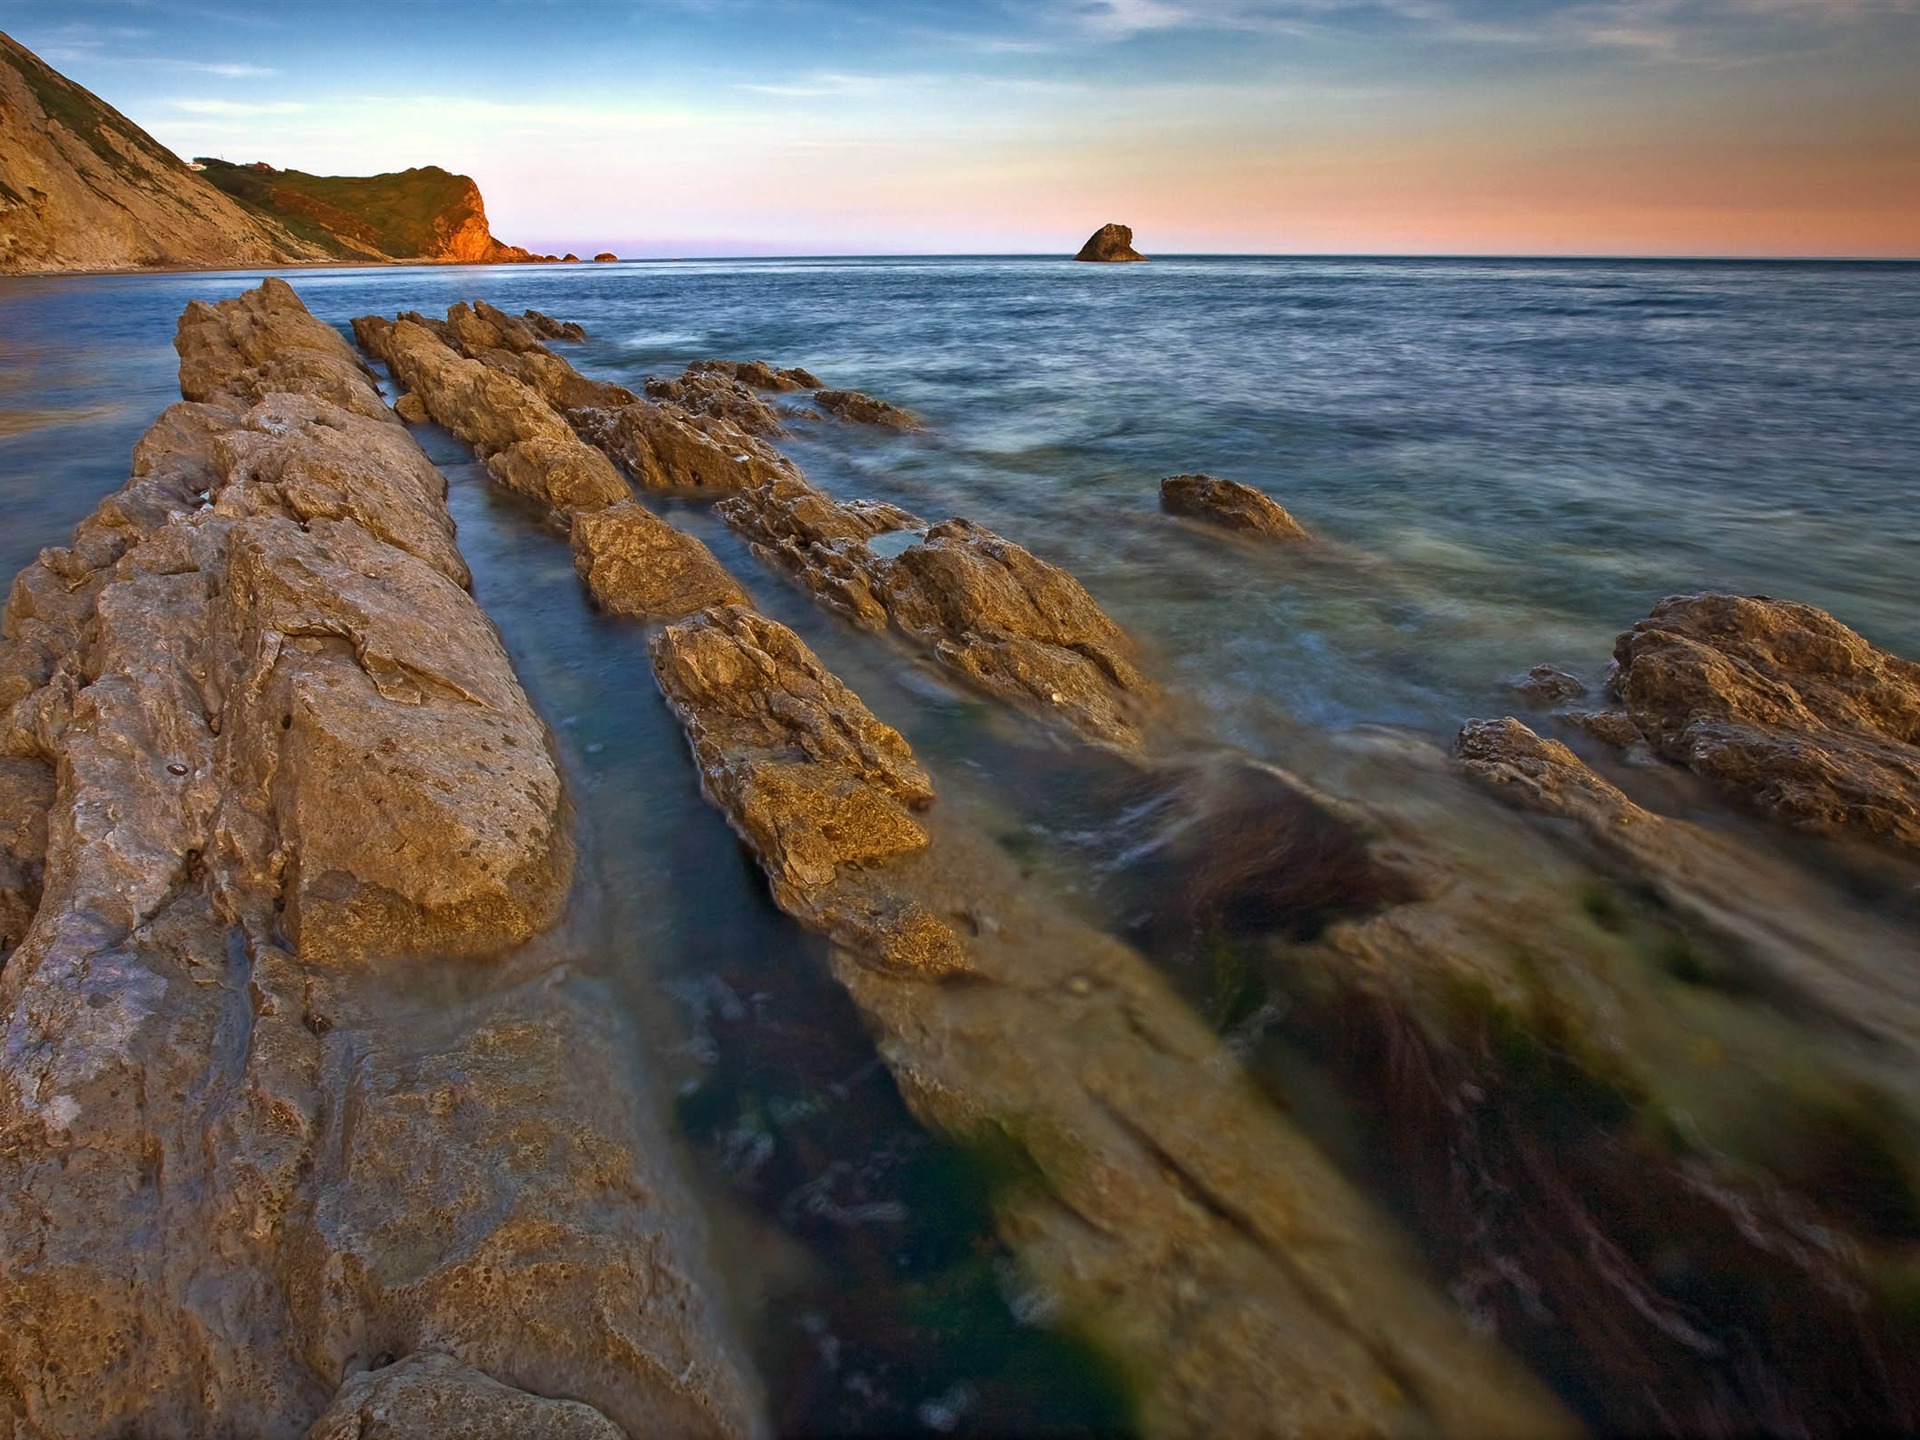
column 706, row 389
column 859, row 409
column 277, row 1105
column 84, row 188
column 663, row 447
column 1782, row 706
column 1109, row 243
column 424, row 215
column 820, row 541
column 758, row 374
column 635, row 563
column 1166, row 1210
column 548, row 328
column 1019, row 628
column 606, row 257
column 434, row 1397
column 1230, row 504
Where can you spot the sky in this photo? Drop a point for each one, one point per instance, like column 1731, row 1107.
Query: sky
column 789, row 127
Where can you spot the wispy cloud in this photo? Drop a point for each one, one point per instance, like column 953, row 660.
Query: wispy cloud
column 197, row 106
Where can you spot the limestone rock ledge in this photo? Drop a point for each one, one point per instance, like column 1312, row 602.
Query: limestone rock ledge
column 280, row 1098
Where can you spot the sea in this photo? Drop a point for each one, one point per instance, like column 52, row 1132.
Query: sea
column 1503, row 463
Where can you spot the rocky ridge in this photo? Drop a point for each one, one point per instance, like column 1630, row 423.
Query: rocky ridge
column 297, row 791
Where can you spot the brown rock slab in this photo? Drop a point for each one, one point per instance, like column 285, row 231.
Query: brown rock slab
column 548, row 328
column 265, row 341
column 1020, row 629
column 1783, row 707
column 757, row 373
column 859, row 409
column 635, row 563
column 820, row 541
column 712, row 391
column 663, row 447
column 1110, row 243
column 560, row 471
column 435, row 1397
column 1230, row 504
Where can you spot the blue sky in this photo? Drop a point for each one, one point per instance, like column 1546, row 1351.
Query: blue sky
column 796, row 126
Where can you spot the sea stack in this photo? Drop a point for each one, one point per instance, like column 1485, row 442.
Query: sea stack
column 1110, row 243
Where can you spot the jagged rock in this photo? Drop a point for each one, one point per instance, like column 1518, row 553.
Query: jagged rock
column 548, row 328
column 635, row 563
column 1229, row 503
column 1169, row 1214
column 434, row 1397
column 264, row 1116
column 562, row 473
column 1609, row 727
column 859, row 409
column 662, row 447
column 272, row 344
column 487, row 409
column 1545, row 685
column 1110, row 242
column 1019, row 628
column 820, row 541
column 757, row 373
column 711, row 391
column 26, row 793
column 822, row 792
column 563, row 387
column 1782, row 706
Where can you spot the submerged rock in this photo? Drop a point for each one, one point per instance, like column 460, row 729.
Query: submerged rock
column 1230, row 504
column 1109, row 243
column 859, row 409
column 1156, row 1204
column 1783, row 707
column 275, row 1103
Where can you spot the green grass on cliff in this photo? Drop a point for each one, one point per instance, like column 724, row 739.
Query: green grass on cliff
column 403, row 216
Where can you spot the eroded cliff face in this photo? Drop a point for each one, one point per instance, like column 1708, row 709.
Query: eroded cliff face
column 299, row 1077
column 84, row 188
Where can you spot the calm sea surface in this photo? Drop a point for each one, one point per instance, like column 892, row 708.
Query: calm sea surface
column 1508, row 462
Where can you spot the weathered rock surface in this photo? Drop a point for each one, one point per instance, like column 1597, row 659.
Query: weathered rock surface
column 859, row 409
column 635, row 563
column 758, row 374
column 1230, row 504
column 1021, row 629
column 273, row 1105
column 708, row 390
column 1169, row 1214
column 548, row 328
column 1782, row 706
column 663, row 447
column 434, row 1397
column 84, row 188
column 1546, row 685
column 1109, row 243
column 820, row 541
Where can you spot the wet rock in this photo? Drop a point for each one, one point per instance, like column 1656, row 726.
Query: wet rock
column 1019, row 628
column 487, row 409
column 1609, row 727
column 548, row 328
column 820, row 542
column 1541, row 774
column 270, row 343
column 412, row 409
column 1164, row 1211
column 634, row 563
column 711, row 391
column 560, row 472
column 1228, row 503
column 563, row 387
column 1545, row 685
column 662, row 447
column 859, row 409
column 1783, row 707
column 1110, row 243
column 273, row 1105
column 757, row 373
column 434, row 1397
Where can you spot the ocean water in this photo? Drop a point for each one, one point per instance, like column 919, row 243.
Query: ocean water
column 1505, row 463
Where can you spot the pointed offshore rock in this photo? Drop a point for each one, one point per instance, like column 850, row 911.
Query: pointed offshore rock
column 1109, row 243
column 1783, row 707
column 1229, row 504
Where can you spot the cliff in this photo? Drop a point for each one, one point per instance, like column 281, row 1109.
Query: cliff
column 420, row 214
column 84, row 188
